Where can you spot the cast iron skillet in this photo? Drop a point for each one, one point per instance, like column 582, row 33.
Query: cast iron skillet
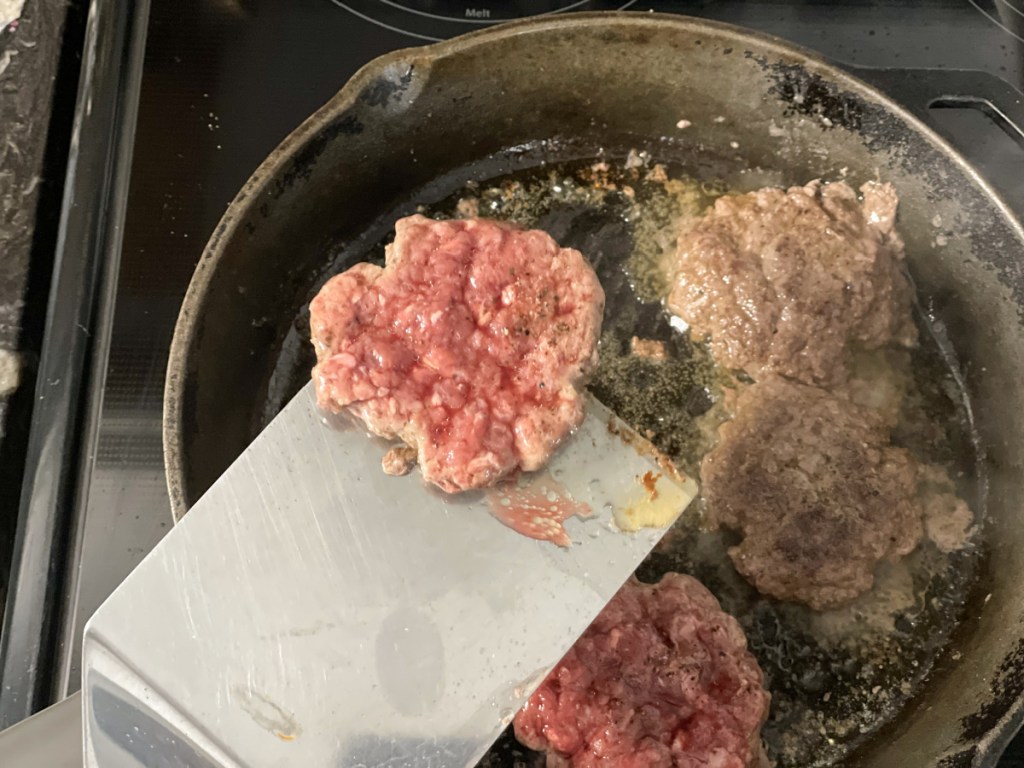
column 412, row 127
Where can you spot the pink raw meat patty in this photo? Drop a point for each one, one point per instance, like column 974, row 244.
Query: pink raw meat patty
column 661, row 679
column 470, row 345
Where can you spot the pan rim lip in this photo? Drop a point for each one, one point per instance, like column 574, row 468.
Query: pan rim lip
column 988, row 747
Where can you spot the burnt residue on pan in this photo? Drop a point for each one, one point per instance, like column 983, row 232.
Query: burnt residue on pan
column 1007, row 685
column 836, row 678
column 810, row 94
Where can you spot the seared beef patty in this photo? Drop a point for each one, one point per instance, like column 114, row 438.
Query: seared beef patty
column 661, row 679
column 813, row 486
column 784, row 280
column 469, row 345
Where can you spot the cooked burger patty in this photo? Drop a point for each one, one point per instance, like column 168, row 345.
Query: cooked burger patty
column 784, row 280
column 813, row 486
column 470, row 345
column 661, row 679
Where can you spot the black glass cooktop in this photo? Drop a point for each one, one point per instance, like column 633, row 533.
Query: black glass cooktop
column 225, row 80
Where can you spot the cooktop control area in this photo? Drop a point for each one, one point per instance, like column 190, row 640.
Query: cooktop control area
column 440, row 19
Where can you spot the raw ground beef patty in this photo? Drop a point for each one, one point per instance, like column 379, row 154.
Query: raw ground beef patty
column 469, row 345
column 661, row 679
column 786, row 281
column 812, row 484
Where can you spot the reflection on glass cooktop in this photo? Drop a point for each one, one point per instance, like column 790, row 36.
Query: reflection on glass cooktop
column 439, row 19
column 1008, row 15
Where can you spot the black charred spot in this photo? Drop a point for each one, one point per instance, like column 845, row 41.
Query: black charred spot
column 963, row 759
column 1007, row 689
column 304, row 161
column 382, row 90
column 810, row 94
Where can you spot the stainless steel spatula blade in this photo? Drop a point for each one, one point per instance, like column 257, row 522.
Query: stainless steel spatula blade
column 311, row 610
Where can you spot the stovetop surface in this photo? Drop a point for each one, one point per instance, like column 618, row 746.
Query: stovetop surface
column 226, row 81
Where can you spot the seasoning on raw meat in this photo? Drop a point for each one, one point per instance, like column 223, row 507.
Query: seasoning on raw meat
column 469, row 345
column 813, row 486
column 661, row 679
column 787, row 281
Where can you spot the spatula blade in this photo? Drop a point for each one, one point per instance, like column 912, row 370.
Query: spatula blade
column 312, row 611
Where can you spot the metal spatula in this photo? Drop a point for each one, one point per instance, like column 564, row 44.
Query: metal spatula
column 312, row 611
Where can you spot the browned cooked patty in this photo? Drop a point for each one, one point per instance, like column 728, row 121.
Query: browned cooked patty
column 813, row 486
column 786, row 281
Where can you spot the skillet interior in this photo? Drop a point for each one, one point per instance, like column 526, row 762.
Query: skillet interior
column 875, row 652
column 483, row 106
